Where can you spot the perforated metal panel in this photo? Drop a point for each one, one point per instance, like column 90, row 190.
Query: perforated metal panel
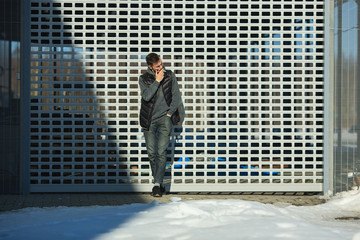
column 251, row 77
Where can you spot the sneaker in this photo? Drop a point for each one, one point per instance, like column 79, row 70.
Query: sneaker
column 156, row 192
column 162, row 189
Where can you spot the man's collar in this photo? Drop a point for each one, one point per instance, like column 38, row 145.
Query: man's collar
column 150, row 71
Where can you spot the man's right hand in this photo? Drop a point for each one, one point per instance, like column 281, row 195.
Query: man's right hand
column 159, row 75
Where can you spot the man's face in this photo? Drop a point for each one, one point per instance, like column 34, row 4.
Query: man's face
column 156, row 67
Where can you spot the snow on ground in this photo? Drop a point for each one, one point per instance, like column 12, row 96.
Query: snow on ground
column 182, row 220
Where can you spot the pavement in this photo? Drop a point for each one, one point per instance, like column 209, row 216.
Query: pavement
column 41, row 200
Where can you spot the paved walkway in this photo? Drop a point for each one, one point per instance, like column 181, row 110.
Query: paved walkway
column 14, row 202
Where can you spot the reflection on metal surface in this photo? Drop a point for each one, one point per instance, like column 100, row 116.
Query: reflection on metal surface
column 347, row 89
column 9, row 97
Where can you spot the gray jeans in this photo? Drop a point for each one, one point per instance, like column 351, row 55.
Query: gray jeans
column 157, row 140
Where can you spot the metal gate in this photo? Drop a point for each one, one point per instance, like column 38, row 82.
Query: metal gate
column 251, row 77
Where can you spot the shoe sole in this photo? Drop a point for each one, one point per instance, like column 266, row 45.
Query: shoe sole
column 156, row 195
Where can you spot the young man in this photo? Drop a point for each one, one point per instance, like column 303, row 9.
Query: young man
column 160, row 99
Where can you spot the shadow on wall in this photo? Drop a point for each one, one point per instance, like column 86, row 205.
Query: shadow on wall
column 81, row 100
column 80, row 137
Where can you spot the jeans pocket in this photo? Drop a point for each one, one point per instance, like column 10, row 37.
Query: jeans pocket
column 169, row 122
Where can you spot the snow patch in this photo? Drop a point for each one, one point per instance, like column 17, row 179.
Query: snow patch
column 183, row 220
column 175, row 199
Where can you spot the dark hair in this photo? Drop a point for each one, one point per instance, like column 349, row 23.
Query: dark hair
column 152, row 58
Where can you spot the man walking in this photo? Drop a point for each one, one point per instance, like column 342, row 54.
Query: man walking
column 160, row 99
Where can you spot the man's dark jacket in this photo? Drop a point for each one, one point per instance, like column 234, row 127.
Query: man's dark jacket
column 147, row 107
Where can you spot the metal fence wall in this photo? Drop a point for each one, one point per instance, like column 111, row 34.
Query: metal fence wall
column 251, row 77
